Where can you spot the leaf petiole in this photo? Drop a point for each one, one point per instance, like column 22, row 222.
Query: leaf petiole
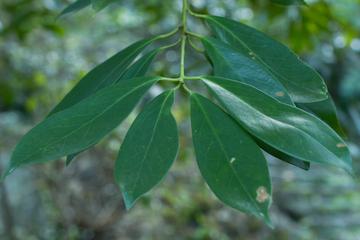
column 196, row 35
column 198, row 15
column 196, row 48
column 188, row 90
column 193, row 78
column 169, row 79
column 189, row 78
column 168, row 34
column 170, row 45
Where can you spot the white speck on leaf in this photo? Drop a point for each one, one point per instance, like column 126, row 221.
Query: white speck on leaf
column 232, row 160
column 252, row 55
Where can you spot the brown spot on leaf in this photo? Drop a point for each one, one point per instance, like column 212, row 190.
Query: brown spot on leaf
column 341, row 145
column 262, row 195
column 280, row 94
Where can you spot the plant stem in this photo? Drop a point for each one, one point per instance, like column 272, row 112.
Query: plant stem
column 183, row 39
column 185, row 9
column 182, row 64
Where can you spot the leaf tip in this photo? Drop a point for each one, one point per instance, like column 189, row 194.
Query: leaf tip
column 305, row 4
column 62, row 14
column 262, row 196
column 267, row 219
column 69, row 159
column 350, row 170
column 8, row 172
column 347, row 164
column 129, row 200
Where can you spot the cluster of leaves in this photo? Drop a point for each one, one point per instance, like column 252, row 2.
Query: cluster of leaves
column 25, row 16
column 266, row 99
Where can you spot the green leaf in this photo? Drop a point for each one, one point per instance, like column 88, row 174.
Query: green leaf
column 78, row 5
column 326, row 111
column 74, row 7
column 101, row 4
column 70, row 158
column 149, row 149
column 283, row 157
column 230, row 63
column 229, row 160
column 138, row 69
column 80, row 126
column 303, row 83
column 141, row 66
column 283, row 127
column 103, row 75
column 289, row 2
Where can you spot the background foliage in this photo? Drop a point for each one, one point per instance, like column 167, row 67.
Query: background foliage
column 40, row 60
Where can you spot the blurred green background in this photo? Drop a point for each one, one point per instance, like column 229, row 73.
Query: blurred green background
column 41, row 58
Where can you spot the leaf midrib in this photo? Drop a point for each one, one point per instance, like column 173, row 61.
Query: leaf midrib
column 258, row 57
column 87, row 123
column 151, row 140
column 213, row 130
column 283, row 123
column 121, row 63
column 271, row 74
column 149, row 57
column 97, row 86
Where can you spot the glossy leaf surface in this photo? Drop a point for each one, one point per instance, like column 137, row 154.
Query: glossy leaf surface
column 305, row 165
column 103, row 75
column 141, row 66
column 229, row 160
column 81, row 126
column 302, row 82
column 283, row 127
column 230, row 63
column 138, row 69
column 149, row 149
column 326, row 111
